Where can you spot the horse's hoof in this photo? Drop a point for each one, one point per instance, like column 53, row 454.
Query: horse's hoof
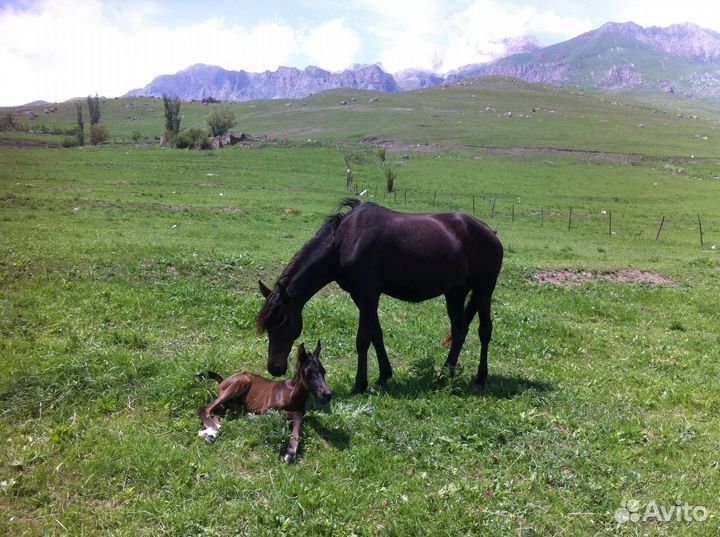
column 209, row 439
column 358, row 389
column 289, row 458
column 446, row 373
column 479, row 387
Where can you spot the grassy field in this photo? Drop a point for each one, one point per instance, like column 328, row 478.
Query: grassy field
column 126, row 270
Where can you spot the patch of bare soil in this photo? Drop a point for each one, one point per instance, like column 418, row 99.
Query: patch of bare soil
column 26, row 144
column 588, row 156
column 395, row 145
column 573, row 277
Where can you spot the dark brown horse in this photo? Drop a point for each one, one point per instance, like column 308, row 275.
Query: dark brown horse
column 258, row 394
column 372, row 250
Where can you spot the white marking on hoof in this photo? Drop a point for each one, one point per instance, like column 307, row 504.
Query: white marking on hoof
column 210, row 431
column 289, row 458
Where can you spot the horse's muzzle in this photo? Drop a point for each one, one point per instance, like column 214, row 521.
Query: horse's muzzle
column 277, row 370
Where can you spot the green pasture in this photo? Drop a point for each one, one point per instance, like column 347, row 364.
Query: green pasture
column 127, row 269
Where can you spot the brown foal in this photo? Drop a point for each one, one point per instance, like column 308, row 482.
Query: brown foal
column 258, row 394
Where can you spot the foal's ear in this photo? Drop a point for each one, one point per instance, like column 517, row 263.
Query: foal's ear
column 263, row 289
column 301, row 351
column 316, row 352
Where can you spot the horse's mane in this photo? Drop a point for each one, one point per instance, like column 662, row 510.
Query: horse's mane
column 272, row 314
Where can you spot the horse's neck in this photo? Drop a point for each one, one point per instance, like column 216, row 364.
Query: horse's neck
column 298, row 392
column 317, row 268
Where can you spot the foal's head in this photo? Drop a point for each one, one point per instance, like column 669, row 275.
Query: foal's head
column 312, row 373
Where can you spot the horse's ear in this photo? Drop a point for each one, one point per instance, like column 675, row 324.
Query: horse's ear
column 263, row 289
column 316, row 352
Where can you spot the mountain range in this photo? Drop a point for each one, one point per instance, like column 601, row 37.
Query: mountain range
column 682, row 58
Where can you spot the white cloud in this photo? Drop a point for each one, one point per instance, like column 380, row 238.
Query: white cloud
column 664, row 13
column 441, row 40
column 60, row 49
column 332, row 45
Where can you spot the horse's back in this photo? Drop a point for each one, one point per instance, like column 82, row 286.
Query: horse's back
column 416, row 256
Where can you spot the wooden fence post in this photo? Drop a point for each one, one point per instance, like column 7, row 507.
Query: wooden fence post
column 657, row 235
column 570, row 219
column 493, row 209
column 701, row 234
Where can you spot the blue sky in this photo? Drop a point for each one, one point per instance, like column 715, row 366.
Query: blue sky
column 59, row 49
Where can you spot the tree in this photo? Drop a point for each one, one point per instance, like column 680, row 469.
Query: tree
column 172, row 115
column 80, row 133
column 220, row 121
column 94, row 108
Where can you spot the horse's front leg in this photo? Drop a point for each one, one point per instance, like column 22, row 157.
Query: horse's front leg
column 295, row 438
column 369, row 330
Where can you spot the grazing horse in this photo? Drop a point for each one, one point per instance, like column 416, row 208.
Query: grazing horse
column 371, row 250
column 258, row 394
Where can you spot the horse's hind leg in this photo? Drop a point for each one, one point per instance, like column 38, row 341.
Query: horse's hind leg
column 455, row 302
column 485, row 333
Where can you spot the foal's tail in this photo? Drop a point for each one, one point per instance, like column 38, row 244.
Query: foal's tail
column 209, row 375
column 471, row 309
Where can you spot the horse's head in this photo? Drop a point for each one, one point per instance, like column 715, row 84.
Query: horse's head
column 312, row 373
column 282, row 320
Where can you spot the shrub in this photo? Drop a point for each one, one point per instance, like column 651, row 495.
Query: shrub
column 70, row 141
column 220, row 121
column 7, row 122
column 390, row 177
column 192, row 139
column 98, row 134
column 381, row 154
column 135, row 136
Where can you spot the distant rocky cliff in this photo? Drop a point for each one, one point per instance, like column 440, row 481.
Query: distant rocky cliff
column 682, row 59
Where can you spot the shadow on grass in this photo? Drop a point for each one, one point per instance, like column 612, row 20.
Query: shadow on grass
column 423, row 378
column 336, row 437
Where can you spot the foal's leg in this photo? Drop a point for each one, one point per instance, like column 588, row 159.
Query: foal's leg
column 455, row 302
column 292, row 449
column 212, row 423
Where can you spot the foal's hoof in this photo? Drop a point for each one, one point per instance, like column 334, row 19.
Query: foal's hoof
column 209, row 439
column 359, row 388
column 289, row 458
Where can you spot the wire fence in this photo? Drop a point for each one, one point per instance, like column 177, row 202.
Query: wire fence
column 690, row 229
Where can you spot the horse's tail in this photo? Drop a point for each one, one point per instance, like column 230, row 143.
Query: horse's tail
column 211, row 375
column 471, row 309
